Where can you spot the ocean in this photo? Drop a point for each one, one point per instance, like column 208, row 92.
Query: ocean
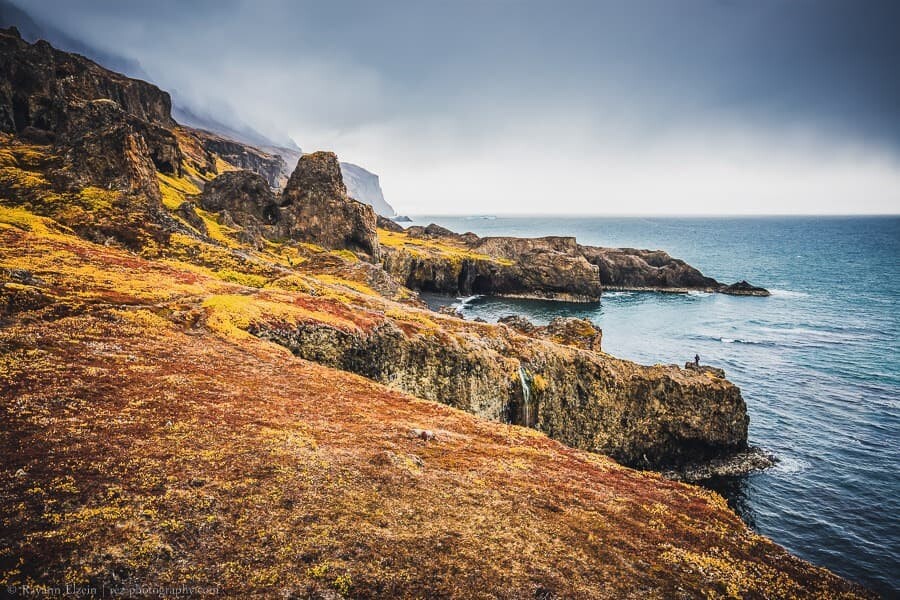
column 818, row 362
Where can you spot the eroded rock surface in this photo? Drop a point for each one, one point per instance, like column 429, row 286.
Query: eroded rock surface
column 553, row 379
column 318, row 209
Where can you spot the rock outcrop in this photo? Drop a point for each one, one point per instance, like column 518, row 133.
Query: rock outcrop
column 96, row 115
column 243, row 156
column 552, row 378
column 567, row 331
column 742, row 288
column 435, row 259
column 37, row 83
column 318, row 209
column 629, row 269
column 313, row 207
column 548, row 267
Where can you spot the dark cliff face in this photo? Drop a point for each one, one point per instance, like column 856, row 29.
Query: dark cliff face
column 652, row 269
column 435, row 259
column 53, row 96
column 318, row 209
column 243, row 156
column 39, row 81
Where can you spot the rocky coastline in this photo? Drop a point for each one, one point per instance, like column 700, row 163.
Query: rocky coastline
column 541, row 268
column 248, row 366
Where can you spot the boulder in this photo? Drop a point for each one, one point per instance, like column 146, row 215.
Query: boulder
column 245, row 196
column 188, row 212
column 317, row 209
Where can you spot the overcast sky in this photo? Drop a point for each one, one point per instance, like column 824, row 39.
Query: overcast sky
column 503, row 106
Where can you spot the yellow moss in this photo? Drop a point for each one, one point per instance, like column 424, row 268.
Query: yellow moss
column 144, row 319
column 241, row 278
column 232, row 314
column 96, row 198
column 23, row 219
column 442, row 249
column 217, row 231
column 294, row 283
column 346, row 255
column 413, row 316
column 353, row 285
column 538, row 383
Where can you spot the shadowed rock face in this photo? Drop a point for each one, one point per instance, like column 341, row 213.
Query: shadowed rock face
column 37, row 82
column 269, row 166
column 513, row 267
column 245, row 196
column 631, row 268
column 106, row 122
column 318, row 210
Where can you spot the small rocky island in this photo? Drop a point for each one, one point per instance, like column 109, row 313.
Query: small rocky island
column 211, row 373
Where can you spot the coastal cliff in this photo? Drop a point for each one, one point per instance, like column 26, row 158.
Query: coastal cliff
column 182, row 399
column 549, row 267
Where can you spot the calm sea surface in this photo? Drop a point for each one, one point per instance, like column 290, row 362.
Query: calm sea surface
column 818, row 362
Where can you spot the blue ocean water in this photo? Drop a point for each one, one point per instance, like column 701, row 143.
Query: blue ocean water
column 818, row 362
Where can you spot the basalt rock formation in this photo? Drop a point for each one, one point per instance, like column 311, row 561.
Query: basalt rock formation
column 742, row 288
column 38, row 82
column 548, row 267
column 631, row 269
column 437, row 260
column 50, row 96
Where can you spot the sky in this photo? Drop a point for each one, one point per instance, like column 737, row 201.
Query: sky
column 519, row 106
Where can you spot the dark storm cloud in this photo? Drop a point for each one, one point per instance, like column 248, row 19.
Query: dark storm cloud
column 426, row 78
column 819, row 62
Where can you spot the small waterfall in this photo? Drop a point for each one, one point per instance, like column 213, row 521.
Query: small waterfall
column 526, row 397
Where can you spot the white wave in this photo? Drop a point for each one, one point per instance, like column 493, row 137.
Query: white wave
column 464, row 302
column 788, row 294
column 726, row 340
column 790, row 464
column 698, row 293
column 617, row 294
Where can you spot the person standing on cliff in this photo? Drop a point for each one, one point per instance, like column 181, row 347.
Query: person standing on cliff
column 697, row 359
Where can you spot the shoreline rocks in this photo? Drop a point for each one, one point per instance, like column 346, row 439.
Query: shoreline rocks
column 547, row 268
column 739, row 463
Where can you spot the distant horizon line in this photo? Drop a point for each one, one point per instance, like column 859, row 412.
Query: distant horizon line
column 654, row 215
